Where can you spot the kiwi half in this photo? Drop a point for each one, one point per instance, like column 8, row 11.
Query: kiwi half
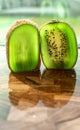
column 58, row 45
column 22, row 45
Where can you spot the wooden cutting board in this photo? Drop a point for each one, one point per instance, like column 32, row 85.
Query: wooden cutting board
column 44, row 100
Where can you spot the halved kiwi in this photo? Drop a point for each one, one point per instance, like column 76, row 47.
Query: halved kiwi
column 22, row 44
column 58, row 45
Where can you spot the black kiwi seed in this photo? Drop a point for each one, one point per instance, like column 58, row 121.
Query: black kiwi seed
column 53, row 46
column 59, row 48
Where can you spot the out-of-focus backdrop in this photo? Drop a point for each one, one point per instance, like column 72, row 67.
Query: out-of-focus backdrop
column 40, row 11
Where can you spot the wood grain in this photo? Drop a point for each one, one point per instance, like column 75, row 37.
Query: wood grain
column 41, row 100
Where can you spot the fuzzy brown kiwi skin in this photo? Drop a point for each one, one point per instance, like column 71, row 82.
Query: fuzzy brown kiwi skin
column 13, row 27
column 57, row 21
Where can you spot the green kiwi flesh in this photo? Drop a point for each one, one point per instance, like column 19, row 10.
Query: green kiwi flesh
column 58, row 46
column 23, row 48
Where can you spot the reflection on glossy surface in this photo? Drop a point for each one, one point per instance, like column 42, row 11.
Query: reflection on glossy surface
column 53, row 89
column 55, row 107
column 22, row 86
column 21, row 81
column 58, row 87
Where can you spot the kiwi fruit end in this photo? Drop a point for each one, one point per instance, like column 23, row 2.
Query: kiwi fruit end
column 23, row 46
column 58, row 45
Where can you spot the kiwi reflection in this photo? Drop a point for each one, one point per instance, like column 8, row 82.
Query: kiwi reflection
column 59, row 87
column 54, row 89
column 23, row 93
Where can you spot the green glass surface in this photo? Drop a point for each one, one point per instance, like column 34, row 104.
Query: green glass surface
column 24, row 48
column 58, row 46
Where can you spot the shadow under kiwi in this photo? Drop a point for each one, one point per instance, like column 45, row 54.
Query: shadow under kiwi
column 22, row 92
column 57, row 87
column 54, row 88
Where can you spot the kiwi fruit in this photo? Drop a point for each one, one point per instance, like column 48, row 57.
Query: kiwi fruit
column 22, row 46
column 58, row 45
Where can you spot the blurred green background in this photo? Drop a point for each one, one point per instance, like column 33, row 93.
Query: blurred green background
column 40, row 11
